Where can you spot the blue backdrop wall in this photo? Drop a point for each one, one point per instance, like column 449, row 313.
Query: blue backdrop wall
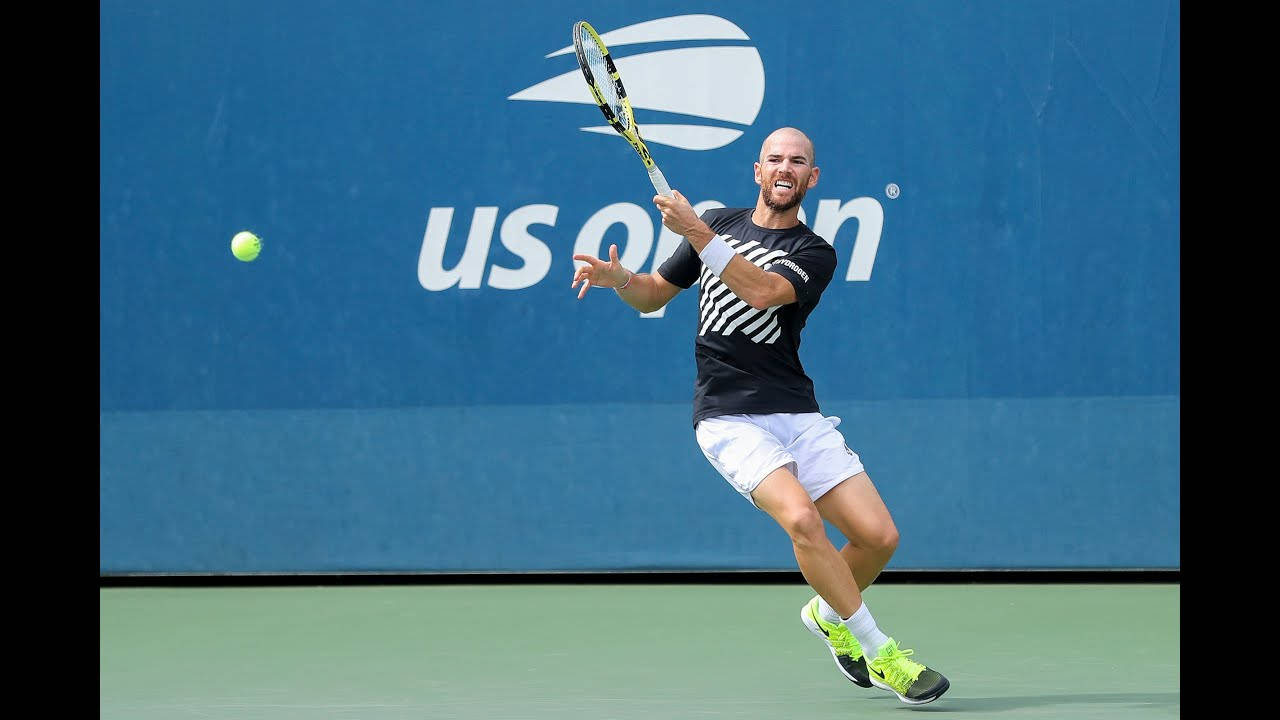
column 404, row 380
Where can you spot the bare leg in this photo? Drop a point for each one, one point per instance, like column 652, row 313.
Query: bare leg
column 855, row 508
column 781, row 495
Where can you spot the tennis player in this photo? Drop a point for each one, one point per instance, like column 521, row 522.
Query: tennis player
column 755, row 416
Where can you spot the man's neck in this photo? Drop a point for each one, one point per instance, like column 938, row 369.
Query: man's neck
column 767, row 217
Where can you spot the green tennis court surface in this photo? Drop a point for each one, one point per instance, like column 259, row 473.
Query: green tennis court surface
column 599, row 652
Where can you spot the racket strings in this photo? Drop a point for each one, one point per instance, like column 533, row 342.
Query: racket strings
column 604, row 79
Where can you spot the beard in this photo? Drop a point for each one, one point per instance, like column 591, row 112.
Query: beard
column 766, row 193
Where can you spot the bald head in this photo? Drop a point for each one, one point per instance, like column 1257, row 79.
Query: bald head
column 785, row 141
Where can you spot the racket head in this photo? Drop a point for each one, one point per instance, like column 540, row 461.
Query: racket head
column 602, row 78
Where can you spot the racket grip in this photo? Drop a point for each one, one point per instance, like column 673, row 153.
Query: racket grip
column 659, row 181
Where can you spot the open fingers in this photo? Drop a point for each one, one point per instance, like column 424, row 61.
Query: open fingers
column 586, row 285
column 584, row 271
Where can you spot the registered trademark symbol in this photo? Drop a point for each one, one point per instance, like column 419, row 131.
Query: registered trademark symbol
column 892, row 190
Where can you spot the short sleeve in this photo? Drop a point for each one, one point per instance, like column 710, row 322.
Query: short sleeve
column 683, row 267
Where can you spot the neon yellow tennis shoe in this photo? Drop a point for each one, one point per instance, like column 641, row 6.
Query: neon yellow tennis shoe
column 913, row 683
column 844, row 647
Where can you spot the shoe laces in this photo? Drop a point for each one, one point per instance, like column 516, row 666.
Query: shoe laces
column 844, row 642
column 900, row 671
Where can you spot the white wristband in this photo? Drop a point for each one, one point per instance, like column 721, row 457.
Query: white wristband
column 716, row 255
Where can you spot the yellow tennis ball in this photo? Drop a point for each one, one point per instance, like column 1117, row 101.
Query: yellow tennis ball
column 246, row 246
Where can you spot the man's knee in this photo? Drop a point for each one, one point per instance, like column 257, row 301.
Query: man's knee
column 886, row 539
column 879, row 536
column 804, row 525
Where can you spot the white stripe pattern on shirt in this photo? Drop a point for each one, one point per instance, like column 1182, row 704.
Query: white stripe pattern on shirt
column 720, row 311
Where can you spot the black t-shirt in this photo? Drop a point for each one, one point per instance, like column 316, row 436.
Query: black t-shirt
column 748, row 359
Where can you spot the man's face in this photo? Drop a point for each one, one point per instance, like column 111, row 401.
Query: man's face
column 785, row 172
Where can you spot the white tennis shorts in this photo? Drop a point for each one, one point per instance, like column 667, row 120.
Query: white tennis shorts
column 746, row 448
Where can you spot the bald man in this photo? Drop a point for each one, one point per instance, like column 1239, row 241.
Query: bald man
column 762, row 272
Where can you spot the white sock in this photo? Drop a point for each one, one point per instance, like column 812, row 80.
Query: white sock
column 827, row 612
column 863, row 627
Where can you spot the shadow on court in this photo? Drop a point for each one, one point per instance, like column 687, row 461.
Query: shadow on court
column 1171, row 700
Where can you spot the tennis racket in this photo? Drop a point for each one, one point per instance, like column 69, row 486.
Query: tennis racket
column 606, row 87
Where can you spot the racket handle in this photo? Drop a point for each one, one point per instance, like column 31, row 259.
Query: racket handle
column 659, row 182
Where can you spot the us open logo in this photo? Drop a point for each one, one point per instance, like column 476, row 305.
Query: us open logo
column 718, row 87
column 719, row 83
